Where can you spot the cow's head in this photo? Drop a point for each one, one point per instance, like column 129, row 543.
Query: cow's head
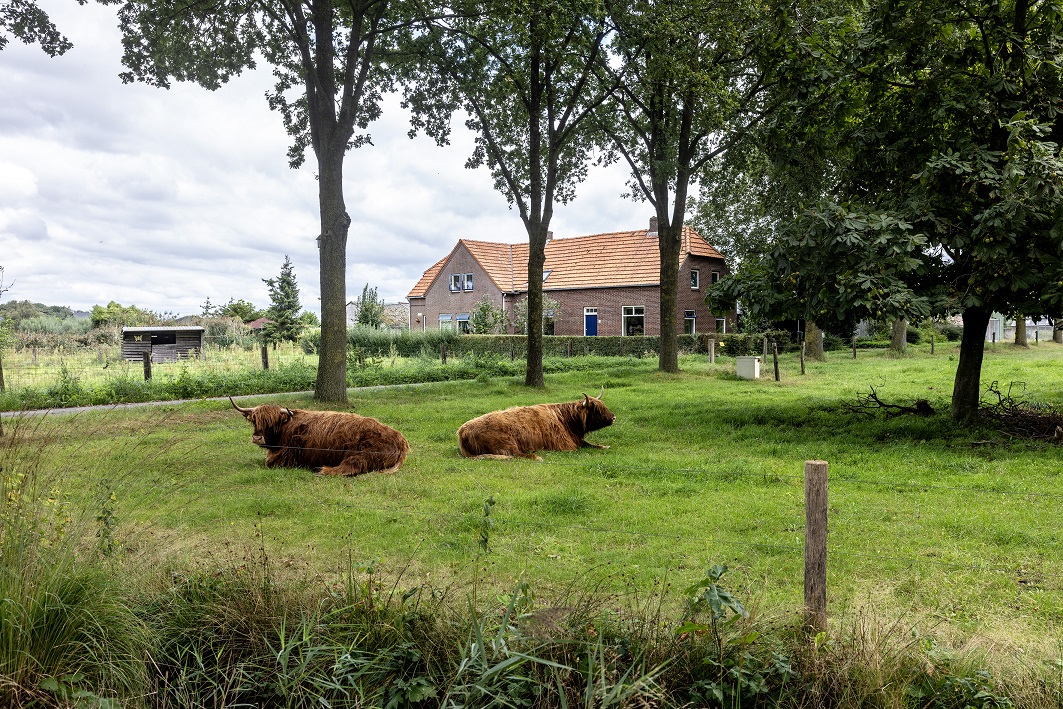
column 268, row 420
column 596, row 415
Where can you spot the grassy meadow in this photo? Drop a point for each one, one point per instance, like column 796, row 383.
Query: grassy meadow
column 934, row 530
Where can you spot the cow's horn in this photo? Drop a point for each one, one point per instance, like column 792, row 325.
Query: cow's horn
column 243, row 411
column 601, row 393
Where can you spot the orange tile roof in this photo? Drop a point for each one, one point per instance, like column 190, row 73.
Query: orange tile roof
column 622, row 258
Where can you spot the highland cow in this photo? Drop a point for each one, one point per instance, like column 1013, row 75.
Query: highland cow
column 328, row 442
column 522, row 430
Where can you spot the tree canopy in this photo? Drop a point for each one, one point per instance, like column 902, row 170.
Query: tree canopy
column 933, row 131
column 27, row 22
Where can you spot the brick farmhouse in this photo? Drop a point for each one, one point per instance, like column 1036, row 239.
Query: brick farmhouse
column 604, row 284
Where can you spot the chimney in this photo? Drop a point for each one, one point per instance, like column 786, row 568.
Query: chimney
column 653, row 227
column 549, row 235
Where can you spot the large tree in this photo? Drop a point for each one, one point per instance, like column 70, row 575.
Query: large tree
column 939, row 124
column 525, row 73
column 692, row 80
column 327, row 56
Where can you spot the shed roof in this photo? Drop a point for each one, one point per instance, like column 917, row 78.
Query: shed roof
column 165, row 328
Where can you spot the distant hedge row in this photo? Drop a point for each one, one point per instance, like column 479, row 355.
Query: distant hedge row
column 406, row 343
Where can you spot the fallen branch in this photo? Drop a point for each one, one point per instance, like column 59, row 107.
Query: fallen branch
column 870, row 403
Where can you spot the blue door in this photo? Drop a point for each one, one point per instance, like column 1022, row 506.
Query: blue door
column 590, row 322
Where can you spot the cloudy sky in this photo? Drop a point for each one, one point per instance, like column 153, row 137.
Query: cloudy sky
column 162, row 199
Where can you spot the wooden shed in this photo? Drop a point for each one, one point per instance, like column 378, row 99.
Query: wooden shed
column 166, row 344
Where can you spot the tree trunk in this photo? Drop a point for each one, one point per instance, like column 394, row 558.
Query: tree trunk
column 1020, row 331
column 533, row 373
column 331, row 382
column 1057, row 331
column 670, row 242
column 899, row 337
column 967, row 389
column 813, row 342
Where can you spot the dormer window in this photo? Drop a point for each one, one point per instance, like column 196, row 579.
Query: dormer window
column 455, row 282
column 695, row 279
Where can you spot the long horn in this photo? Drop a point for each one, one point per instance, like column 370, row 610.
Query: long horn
column 243, row 411
column 600, row 394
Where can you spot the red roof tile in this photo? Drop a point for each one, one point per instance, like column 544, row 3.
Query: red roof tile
column 623, row 258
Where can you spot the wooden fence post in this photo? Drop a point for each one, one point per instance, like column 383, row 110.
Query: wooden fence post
column 854, row 346
column 147, row 365
column 712, row 351
column 802, row 356
column 765, row 355
column 816, row 544
column 265, row 357
column 775, row 358
column 932, row 337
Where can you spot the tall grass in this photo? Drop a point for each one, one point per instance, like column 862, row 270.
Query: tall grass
column 68, row 628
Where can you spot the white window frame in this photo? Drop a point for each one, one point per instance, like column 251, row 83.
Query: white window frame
column 695, row 279
column 633, row 314
column 462, row 323
column 455, row 282
column 448, row 319
column 721, row 326
column 468, row 281
column 693, row 318
column 715, row 278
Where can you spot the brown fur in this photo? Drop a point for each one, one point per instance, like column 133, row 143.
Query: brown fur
column 329, row 442
column 522, row 430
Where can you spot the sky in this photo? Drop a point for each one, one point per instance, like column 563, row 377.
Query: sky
column 165, row 198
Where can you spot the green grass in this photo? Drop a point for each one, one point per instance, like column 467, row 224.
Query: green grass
column 944, row 524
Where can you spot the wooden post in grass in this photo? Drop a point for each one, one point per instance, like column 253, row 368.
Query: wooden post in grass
column 802, row 357
column 265, row 357
column 775, row 358
column 712, row 351
column 147, row 365
column 765, row 355
column 854, row 346
column 932, row 334
column 816, row 544
column 443, row 353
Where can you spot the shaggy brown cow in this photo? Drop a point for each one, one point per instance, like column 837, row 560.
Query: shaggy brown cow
column 522, row 430
column 329, row 442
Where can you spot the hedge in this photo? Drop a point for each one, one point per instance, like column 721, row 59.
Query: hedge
column 406, row 343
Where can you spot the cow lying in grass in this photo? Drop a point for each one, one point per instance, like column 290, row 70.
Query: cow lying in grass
column 328, row 442
column 522, row 430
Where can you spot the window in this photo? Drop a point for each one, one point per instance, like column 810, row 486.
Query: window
column 695, row 279
column 468, row 281
column 634, row 320
column 688, row 322
column 463, row 323
column 455, row 282
column 446, row 322
column 715, row 276
column 721, row 326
